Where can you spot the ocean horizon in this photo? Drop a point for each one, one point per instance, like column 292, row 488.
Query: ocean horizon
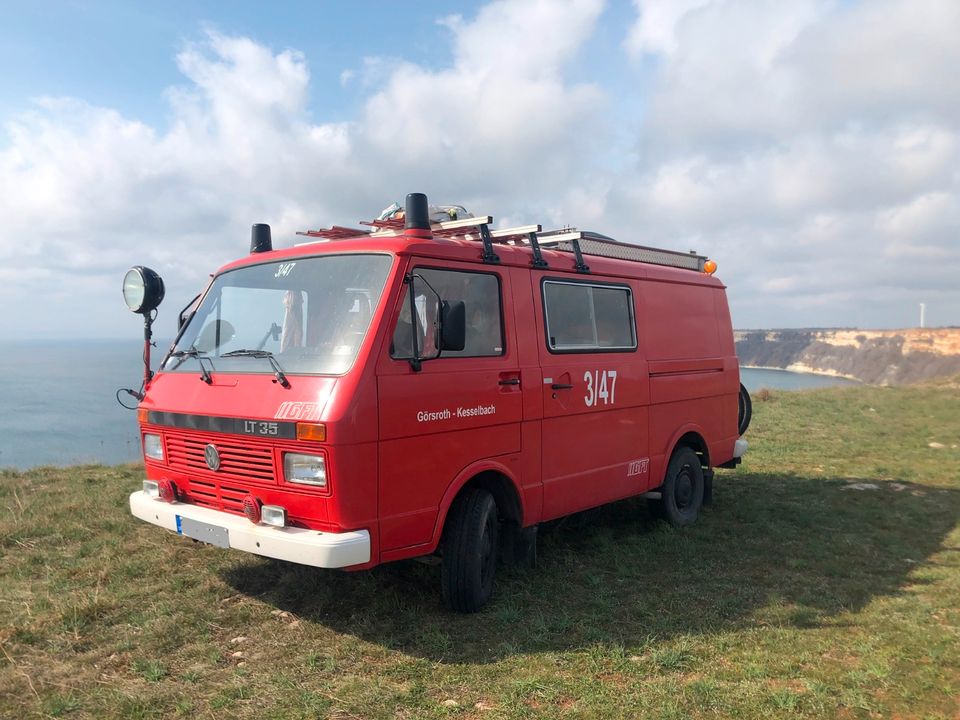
column 59, row 398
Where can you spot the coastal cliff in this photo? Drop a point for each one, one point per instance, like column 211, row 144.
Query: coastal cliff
column 883, row 357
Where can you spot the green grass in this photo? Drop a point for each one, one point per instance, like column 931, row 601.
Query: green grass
column 796, row 595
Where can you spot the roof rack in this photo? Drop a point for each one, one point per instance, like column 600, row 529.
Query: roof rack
column 580, row 243
column 393, row 228
column 590, row 243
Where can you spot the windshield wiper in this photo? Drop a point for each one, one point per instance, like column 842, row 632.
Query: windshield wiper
column 200, row 356
column 265, row 355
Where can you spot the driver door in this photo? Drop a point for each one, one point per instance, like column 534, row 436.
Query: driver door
column 458, row 409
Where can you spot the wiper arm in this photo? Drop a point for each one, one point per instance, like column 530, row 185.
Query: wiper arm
column 265, row 355
column 200, row 356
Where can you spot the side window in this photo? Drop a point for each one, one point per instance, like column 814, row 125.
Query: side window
column 480, row 294
column 587, row 318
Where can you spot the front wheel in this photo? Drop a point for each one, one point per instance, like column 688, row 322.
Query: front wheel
column 681, row 496
column 470, row 545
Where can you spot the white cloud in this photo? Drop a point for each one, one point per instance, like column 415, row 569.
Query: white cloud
column 812, row 148
column 88, row 192
column 655, row 31
column 501, row 116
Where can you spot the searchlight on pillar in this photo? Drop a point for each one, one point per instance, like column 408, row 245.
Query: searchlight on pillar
column 143, row 291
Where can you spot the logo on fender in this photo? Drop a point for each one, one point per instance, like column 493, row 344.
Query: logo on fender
column 307, row 411
column 638, row 467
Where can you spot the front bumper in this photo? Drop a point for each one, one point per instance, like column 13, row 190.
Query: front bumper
column 299, row 545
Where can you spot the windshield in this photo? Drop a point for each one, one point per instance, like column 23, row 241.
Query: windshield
column 310, row 313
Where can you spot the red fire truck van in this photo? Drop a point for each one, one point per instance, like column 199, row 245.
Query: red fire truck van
column 420, row 388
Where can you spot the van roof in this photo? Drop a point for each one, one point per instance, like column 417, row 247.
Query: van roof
column 568, row 250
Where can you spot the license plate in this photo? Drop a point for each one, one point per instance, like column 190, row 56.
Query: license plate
column 204, row 532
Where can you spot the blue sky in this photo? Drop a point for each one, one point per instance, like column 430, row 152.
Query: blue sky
column 811, row 147
column 120, row 54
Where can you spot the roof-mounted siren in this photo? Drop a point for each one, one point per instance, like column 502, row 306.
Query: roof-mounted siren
column 417, row 223
column 260, row 240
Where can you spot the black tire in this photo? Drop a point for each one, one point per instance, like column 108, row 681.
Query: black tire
column 745, row 410
column 470, row 548
column 683, row 488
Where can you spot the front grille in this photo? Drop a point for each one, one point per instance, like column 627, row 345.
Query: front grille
column 216, row 495
column 238, row 461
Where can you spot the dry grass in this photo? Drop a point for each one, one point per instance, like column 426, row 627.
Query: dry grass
column 823, row 581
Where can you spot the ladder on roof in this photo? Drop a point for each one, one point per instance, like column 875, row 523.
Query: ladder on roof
column 579, row 243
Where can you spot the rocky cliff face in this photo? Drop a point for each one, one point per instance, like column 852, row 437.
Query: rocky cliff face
column 885, row 357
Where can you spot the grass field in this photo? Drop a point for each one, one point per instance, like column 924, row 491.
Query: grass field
column 824, row 581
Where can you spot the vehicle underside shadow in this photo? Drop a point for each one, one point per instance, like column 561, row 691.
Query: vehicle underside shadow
column 801, row 550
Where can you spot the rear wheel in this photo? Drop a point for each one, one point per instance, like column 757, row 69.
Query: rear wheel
column 681, row 496
column 470, row 545
column 744, row 410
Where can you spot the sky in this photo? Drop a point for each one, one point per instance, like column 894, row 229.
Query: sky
column 811, row 148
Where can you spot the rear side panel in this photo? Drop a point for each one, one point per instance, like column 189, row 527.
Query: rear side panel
column 694, row 376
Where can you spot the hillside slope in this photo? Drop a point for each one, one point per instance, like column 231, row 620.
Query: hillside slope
column 884, row 357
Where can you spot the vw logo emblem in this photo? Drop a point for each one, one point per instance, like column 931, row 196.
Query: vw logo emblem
column 212, row 456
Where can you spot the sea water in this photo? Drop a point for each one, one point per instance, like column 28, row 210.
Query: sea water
column 58, row 404
column 58, row 400
column 756, row 378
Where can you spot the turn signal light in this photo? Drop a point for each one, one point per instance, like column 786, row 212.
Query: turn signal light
column 709, row 267
column 312, row 431
column 143, row 416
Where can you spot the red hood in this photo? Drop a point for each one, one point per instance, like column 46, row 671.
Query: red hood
column 244, row 395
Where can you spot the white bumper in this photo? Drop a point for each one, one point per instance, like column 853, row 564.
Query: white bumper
column 740, row 447
column 299, row 545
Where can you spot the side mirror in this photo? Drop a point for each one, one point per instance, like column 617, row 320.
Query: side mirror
column 453, row 325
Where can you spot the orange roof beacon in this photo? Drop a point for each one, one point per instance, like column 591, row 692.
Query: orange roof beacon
column 434, row 386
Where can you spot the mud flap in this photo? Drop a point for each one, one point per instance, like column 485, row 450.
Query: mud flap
column 518, row 546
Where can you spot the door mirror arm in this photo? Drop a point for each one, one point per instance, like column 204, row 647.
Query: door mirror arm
column 416, row 362
column 450, row 322
column 187, row 313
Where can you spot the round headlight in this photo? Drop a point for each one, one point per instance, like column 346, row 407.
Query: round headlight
column 142, row 289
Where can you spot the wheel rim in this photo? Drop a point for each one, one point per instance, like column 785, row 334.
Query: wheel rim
column 683, row 490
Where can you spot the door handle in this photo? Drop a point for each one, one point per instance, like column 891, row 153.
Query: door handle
column 510, row 381
column 561, row 386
